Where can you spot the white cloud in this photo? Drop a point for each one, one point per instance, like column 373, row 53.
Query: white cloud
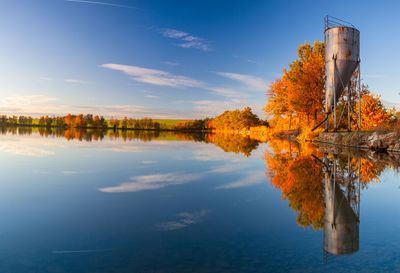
column 164, row 78
column 252, row 83
column 101, row 3
column 35, row 109
column 152, row 96
column 229, row 168
column 214, row 153
column 46, row 79
column 187, row 40
column 253, row 62
column 226, row 92
column 153, row 182
column 172, row 63
column 186, row 219
column 25, row 100
column 390, row 105
column 154, row 76
column 250, row 180
column 74, row 81
column 74, row 172
column 215, row 107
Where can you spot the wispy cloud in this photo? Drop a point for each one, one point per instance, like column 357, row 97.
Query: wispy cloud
column 25, row 100
column 81, row 251
column 19, row 148
column 214, row 107
column 251, row 82
column 250, row 180
column 229, row 168
column 75, row 172
column 186, row 219
column 152, row 96
column 154, row 76
column 36, row 109
column 149, row 162
column 253, row 61
column 214, row 154
column 74, row 81
column 390, row 104
column 46, row 79
column 172, row 63
column 226, row 92
column 187, row 40
column 165, row 78
column 152, row 182
column 102, row 3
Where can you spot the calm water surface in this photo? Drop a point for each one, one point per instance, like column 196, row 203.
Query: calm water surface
column 182, row 203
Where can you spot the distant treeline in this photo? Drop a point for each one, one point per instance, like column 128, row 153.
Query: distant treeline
column 228, row 121
column 235, row 143
column 81, row 121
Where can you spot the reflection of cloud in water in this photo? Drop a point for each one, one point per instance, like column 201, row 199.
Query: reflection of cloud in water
column 20, row 148
column 152, row 182
column 149, row 162
column 214, row 154
column 41, row 171
column 229, row 168
column 81, row 251
column 36, row 145
column 251, row 179
column 186, row 219
column 74, row 172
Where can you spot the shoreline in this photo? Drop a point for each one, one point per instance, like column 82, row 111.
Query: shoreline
column 102, row 128
column 368, row 140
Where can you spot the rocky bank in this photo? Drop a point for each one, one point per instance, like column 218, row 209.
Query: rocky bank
column 379, row 141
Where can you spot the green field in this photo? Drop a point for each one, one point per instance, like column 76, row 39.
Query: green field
column 170, row 122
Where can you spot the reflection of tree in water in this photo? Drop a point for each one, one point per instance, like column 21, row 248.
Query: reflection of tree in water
column 228, row 142
column 300, row 178
column 292, row 169
column 234, row 143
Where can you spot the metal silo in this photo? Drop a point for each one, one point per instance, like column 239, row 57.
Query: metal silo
column 342, row 54
column 342, row 57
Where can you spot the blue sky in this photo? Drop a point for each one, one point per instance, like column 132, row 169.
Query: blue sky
column 172, row 59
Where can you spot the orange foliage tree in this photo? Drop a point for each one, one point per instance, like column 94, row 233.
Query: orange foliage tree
column 374, row 114
column 300, row 91
column 300, row 180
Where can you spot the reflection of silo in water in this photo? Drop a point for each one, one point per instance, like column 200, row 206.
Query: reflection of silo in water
column 341, row 234
column 342, row 53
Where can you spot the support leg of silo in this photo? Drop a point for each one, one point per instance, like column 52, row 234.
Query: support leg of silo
column 334, row 117
column 326, row 122
column 359, row 97
column 349, row 107
column 334, row 98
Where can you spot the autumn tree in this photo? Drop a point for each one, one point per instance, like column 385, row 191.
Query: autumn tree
column 300, row 91
column 374, row 114
column 236, row 120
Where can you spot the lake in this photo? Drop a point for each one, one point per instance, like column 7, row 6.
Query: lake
column 163, row 202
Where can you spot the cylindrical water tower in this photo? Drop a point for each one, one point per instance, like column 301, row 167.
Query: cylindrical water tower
column 342, row 56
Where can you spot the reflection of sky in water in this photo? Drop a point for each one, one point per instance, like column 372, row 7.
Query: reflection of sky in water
column 70, row 206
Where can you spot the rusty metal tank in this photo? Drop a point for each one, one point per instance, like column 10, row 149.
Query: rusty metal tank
column 342, row 54
column 341, row 225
